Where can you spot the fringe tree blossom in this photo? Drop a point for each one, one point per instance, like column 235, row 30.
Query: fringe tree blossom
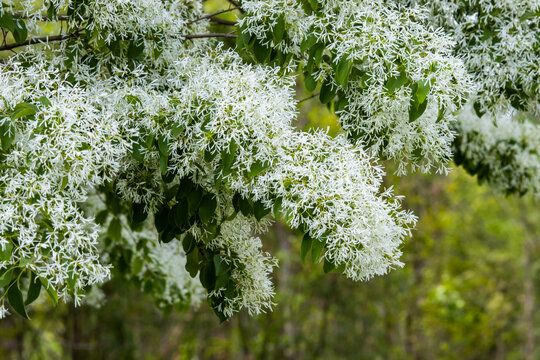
column 135, row 144
column 396, row 79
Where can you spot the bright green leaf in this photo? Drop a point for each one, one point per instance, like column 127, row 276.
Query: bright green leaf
column 15, row 299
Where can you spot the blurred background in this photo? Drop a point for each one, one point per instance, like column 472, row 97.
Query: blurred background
column 468, row 291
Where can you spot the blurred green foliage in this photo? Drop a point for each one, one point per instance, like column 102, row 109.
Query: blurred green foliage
column 467, row 291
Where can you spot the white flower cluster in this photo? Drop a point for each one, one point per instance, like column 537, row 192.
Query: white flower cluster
column 498, row 42
column 501, row 149
column 325, row 185
column 397, row 62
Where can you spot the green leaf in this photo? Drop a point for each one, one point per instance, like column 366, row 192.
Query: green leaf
column 188, row 243
column 163, row 163
column 328, row 92
column 50, row 291
column 245, row 206
column 6, row 21
column 163, row 145
column 20, row 32
column 304, row 248
column 308, row 42
column 260, row 210
column 207, row 208
column 139, row 212
column 395, row 82
column 316, row 53
column 186, row 185
column 167, row 235
column 423, row 89
column 44, row 101
column 114, row 231
column 276, row 209
column 181, row 214
column 137, row 265
column 15, row 299
column 310, row 82
column 137, row 152
column 316, row 249
column 5, row 254
column 220, row 265
column 222, row 280
column 23, row 109
column 208, row 276
column 279, row 29
column 257, row 167
column 328, row 266
column 262, row 52
column 194, row 200
column 135, row 49
column 5, row 277
column 227, row 157
column 101, row 217
column 33, row 289
column 343, row 71
column 209, row 156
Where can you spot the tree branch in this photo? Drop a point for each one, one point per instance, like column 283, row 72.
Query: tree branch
column 39, row 40
column 212, row 15
column 309, row 97
column 61, row 17
column 210, row 35
column 222, row 21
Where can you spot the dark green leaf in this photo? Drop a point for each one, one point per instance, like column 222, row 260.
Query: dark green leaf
column 194, row 200
column 227, row 157
column 279, row 29
column 50, row 291
column 277, row 207
column 33, row 289
column 316, row 53
column 343, row 71
column 328, row 92
column 208, row 276
column 188, row 243
column 115, row 229
column 262, row 52
column 5, row 277
column 306, row 245
column 245, row 206
column 6, row 21
column 423, row 89
column 310, row 82
column 5, row 254
column 139, row 212
column 181, row 214
column 15, row 299
column 137, row 152
column 328, row 266
column 260, row 210
column 316, row 249
column 135, row 49
column 207, row 208
column 163, row 163
column 20, row 32
column 220, row 265
column 161, row 219
column 257, row 167
column 192, row 263
column 395, row 82
column 163, row 145
column 308, row 42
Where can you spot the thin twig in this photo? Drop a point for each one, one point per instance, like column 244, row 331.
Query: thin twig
column 222, row 21
column 309, row 97
column 212, row 15
column 61, row 17
column 39, row 40
column 200, row 36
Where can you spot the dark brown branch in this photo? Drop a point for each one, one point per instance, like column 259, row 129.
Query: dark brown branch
column 309, row 97
column 61, row 17
column 220, row 21
column 200, row 36
column 213, row 14
column 40, row 40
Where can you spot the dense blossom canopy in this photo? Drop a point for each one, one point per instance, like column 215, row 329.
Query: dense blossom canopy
column 135, row 139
